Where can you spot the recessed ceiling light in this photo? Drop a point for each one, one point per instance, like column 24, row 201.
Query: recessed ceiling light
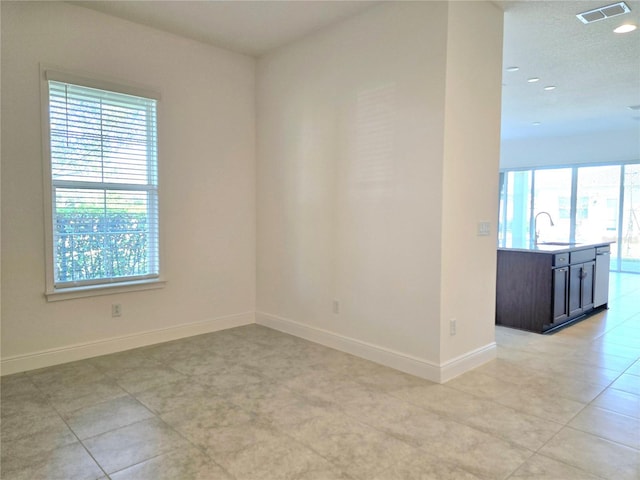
column 626, row 28
column 533, row 80
column 536, row 123
column 513, row 69
column 550, row 87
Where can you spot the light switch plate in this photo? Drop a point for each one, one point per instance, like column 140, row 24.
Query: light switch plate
column 484, row 229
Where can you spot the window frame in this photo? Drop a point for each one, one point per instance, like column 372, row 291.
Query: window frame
column 106, row 286
column 616, row 259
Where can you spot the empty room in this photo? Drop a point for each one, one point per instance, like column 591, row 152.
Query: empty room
column 320, row 240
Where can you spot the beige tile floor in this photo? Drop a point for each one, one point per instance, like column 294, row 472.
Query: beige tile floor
column 253, row 403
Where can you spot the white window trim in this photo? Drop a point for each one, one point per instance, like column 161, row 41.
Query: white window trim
column 52, row 293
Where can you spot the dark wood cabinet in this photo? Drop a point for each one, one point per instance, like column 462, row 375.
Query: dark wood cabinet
column 581, row 287
column 560, row 294
column 540, row 291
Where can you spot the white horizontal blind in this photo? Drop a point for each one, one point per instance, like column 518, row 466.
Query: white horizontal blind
column 104, row 185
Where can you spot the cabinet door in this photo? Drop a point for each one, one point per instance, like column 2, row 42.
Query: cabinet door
column 575, row 289
column 588, row 276
column 560, row 294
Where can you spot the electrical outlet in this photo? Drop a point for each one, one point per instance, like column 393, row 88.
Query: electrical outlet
column 336, row 306
column 452, row 326
column 116, row 310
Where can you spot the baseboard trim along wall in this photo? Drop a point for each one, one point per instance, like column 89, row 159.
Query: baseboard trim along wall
column 71, row 353
column 390, row 358
column 459, row 365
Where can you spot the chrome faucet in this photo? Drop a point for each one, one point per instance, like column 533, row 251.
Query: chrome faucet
column 535, row 223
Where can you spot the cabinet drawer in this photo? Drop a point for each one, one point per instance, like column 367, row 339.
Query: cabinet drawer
column 560, row 259
column 580, row 256
column 605, row 249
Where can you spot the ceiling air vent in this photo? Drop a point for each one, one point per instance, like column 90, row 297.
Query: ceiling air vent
column 603, row 12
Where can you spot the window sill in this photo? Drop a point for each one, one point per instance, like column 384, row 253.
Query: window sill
column 95, row 290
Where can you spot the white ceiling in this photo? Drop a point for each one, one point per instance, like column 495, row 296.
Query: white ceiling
column 250, row 27
column 596, row 72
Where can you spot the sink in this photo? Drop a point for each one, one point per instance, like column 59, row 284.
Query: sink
column 561, row 244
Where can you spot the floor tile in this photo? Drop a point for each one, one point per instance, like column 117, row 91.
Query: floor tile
column 85, row 395
column 321, row 385
column 442, row 399
column 183, row 393
column 594, row 454
column 627, row 383
column 422, row 466
column 537, row 404
column 219, row 442
column 228, row 379
column 619, row 401
column 263, row 398
column 387, row 379
column 570, row 388
column 301, row 410
column 18, row 384
column 217, row 412
column 595, row 358
column 199, row 363
column 115, row 365
column 168, row 351
column 140, row 379
column 539, row 467
column 480, row 384
column 28, row 448
column 480, row 453
column 127, row 446
column 279, row 458
column 59, row 378
column 18, row 426
column 517, row 427
column 26, row 404
column 220, row 428
column 634, row 369
column 70, row 462
column 357, row 449
column 610, row 425
column 187, row 464
column 277, row 366
column 102, row 417
column 613, row 347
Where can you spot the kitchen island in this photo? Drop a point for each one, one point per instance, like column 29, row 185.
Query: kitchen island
column 545, row 286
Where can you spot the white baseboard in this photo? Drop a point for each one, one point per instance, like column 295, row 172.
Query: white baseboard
column 71, row 353
column 384, row 356
column 457, row 366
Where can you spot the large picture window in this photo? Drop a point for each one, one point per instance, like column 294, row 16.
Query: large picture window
column 104, row 185
column 587, row 203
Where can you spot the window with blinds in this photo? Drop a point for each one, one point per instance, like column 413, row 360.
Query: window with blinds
column 104, row 185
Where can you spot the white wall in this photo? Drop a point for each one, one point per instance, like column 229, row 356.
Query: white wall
column 207, row 184
column 470, row 184
column 353, row 181
column 377, row 156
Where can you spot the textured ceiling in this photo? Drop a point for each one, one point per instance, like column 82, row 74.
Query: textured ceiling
column 596, row 72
